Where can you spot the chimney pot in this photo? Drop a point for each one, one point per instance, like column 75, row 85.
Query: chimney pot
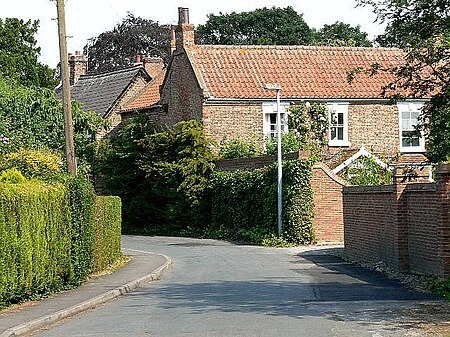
column 77, row 53
column 183, row 15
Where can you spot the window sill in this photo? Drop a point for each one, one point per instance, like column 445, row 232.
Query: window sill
column 339, row 144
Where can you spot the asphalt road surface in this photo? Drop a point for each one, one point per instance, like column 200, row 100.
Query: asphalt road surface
column 218, row 289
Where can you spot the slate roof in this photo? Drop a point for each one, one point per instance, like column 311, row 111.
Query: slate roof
column 100, row 92
column 148, row 96
column 312, row 72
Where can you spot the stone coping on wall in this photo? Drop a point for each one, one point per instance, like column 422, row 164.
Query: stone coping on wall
column 369, row 189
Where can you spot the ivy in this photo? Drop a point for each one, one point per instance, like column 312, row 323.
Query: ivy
column 244, row 204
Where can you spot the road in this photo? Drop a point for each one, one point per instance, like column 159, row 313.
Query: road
column 220, row 289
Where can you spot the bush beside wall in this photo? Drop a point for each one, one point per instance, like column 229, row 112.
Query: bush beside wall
column 244, row 203
column 107, row 220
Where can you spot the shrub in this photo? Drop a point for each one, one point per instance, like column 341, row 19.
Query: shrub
column 244, row 203
column 35, row 231
column 161, row 176
column 239, row 148
column 107, row 224
column 12, row 176
column 41, row 164
column 366, row 171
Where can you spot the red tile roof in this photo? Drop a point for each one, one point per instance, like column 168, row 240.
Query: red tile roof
column 148, row 96
column 301, row 71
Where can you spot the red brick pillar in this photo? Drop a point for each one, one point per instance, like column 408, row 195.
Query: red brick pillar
column 401, row 221
column 443, row 189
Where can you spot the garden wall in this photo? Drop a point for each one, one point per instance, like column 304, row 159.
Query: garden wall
column 406, row 225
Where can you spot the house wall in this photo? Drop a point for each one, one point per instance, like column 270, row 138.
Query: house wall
column 376, row 126
column 405, row 225
column 181, row 96
column 228, row 121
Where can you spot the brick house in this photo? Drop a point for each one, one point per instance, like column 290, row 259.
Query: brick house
column 109, row 94
column 223, row 87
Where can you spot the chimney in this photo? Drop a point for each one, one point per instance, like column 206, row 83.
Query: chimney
column 153, row 65
column 173, row 40
column 184, row 33
column 77, row 66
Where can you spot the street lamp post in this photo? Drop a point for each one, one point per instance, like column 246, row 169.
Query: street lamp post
column 277, row 88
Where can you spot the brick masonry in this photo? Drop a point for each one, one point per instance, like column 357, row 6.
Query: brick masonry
column 327, row 187
column 405, row 225
column 376, row 126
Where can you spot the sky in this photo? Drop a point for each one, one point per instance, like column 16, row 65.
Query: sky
column 89, row 18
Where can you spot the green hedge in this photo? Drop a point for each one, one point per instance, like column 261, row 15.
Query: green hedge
column 82, row 198
column 35, row 239
column 244, row 203
column 52, row 236
column 108, row 215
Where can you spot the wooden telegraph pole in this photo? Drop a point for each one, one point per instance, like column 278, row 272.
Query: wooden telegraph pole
column 68, row 124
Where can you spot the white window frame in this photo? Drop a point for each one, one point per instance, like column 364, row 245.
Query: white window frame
column 338, row 107
column 270, row 108
column 407, row 106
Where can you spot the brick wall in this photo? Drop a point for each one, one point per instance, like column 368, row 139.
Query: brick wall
column 327, row 193
column 376, row 126
column 328, row 217
column 405, row 225
column 228, row 121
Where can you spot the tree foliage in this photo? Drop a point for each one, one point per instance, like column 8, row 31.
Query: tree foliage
column 161, row 176
column 280, row 26
column 422, row 29
column 32, row 118
column 19, row 54
column 340, row 34
column 117, row 48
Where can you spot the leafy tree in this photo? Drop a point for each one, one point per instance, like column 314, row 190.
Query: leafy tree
column 280, row 26
column 422, row 29
column 161, row 176
column 117, row 49
column 19, row 54
column 32, row 118
column 341, row 34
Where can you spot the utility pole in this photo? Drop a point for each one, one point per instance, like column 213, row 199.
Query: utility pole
column 68, row 124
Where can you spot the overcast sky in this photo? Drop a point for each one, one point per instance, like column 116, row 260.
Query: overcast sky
column 89, row 18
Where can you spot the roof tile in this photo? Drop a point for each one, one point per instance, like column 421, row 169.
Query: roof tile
column 302, row 71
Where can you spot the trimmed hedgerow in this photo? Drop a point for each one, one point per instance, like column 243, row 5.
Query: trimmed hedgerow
column 82, row 198
column 35, row 230
column 244, row 204
column 107, row 224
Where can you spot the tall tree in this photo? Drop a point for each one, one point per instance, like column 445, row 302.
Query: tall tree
column 19, row 54
column 341, row 34
column 281, row 26
column 422, row 29
column 117, row 49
